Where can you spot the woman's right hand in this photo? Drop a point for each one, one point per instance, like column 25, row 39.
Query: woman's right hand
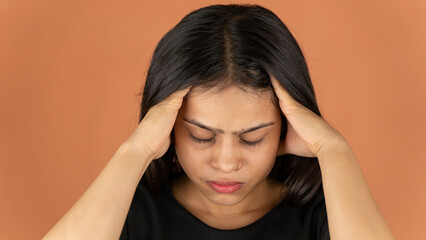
column 151, row 137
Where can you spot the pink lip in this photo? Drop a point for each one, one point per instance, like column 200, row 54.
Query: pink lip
column 225, row 186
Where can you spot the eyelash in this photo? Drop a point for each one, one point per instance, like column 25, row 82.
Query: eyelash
column 251, row 144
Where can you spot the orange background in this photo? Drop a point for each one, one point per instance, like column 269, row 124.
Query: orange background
column 70, row 72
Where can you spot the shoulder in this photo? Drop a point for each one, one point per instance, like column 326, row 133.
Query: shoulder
column 308, row 221
column 147, row 214
column 318, row 211
column 147, row 200
column 318, row 207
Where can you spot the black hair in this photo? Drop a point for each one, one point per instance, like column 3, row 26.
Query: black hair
column 235, row 44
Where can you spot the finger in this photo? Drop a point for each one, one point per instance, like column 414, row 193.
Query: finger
column 180, row 94
column 282, row 93
column 177, row 97
column 186, row 90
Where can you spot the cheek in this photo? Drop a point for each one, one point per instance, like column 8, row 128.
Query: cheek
column 262, row 160
column 189, row 157
column 264, row 157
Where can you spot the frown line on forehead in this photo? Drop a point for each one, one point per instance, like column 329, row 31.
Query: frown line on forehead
column 216, row 130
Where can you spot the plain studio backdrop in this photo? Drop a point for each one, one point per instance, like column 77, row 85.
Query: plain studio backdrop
column 70, row 72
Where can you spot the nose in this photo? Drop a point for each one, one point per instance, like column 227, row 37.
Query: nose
column 226, row 157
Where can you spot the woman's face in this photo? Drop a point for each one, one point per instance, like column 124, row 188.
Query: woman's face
column 216, row 158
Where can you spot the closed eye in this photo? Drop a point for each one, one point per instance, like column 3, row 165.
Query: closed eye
column 248, row 143
column 252, row 143
column 199, row 140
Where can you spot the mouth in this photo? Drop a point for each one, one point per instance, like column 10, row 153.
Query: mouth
column 225, row 186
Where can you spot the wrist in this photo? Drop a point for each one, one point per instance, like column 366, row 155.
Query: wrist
column 337, row 146
column 140, row 152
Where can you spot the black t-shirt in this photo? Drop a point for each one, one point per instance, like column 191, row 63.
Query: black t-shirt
column 161, row 216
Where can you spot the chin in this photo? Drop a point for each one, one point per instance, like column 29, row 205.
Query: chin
column 224, row 199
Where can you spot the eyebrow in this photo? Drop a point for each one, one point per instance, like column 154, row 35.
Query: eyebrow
column 216, row 130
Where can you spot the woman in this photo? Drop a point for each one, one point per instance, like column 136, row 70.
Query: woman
column 230, row 145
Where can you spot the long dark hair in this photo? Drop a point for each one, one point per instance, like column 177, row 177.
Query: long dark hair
column 236, row 44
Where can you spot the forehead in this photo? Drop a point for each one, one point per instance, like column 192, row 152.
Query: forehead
column 231, row 104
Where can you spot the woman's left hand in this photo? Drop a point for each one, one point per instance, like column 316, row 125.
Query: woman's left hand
column 350, row 205
column 307, row 133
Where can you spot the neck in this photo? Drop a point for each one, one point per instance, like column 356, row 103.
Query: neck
column 262, row 198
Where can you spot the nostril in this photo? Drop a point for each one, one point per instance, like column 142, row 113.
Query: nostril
column 226, row 166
